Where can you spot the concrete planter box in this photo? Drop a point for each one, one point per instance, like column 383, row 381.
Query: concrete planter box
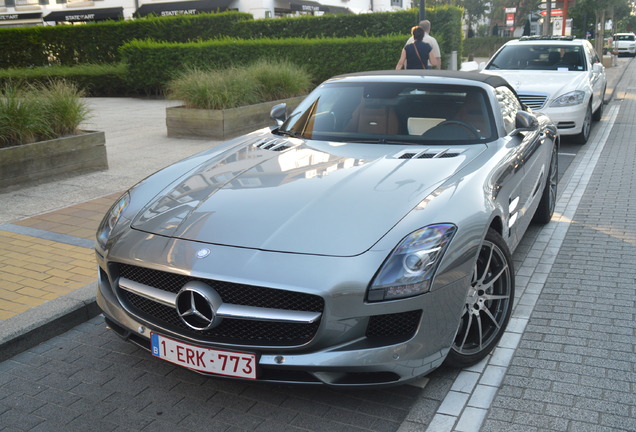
column 73, row 154
column 221, row 124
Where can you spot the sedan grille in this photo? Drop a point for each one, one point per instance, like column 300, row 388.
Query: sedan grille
column 534, row 101
column 230, row 331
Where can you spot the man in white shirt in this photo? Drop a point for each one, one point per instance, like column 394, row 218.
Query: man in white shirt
column 426, row 26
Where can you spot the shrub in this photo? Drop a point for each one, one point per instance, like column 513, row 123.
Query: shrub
column 92, row 79
column 30, row 113
column 262, row 81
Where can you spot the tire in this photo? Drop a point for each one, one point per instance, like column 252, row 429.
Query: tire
column 488, row 304
column 544, row 212
column 599, row 111
column 582, row 137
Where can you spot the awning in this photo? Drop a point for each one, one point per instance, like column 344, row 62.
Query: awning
column 21, row 18
column 306, row 6
column 312, row 6
column 81, row 15
column 336, row 10
column 191, row 7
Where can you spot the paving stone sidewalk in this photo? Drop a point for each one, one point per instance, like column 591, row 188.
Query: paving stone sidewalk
column 575, row 367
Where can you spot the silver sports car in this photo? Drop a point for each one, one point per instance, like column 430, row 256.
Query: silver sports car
column 363, row 241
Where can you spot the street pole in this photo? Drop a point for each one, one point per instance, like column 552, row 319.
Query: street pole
column 422, row 11
column 565, row 16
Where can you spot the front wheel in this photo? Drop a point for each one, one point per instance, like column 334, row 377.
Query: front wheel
column 488, row 304
column 598, row 114
column 544, row 212
column 582, row 137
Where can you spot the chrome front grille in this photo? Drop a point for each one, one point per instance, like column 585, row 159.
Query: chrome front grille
column 533, row 100
column 230, row 330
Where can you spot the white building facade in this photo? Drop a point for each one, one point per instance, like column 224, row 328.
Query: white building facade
column 14, row 13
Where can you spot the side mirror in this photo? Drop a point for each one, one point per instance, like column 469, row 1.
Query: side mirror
column 279, row 113
column 598, row 67
column 525, row 122
column 482, row 66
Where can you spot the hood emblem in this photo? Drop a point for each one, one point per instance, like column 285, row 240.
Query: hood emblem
column 202, row 253
column 197, row 305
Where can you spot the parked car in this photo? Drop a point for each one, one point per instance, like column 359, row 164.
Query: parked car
column 625, row 43
column 561, row 76
column 363, row 241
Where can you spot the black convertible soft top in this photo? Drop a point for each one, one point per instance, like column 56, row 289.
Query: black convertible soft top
column 492, row 80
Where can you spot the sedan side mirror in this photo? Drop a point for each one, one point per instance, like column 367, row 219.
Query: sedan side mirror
column 279, row 113
column 525, row 122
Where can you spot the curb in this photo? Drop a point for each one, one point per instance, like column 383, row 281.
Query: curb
column 38, row 324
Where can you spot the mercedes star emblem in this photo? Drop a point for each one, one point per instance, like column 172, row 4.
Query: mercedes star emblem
column 203, row 253
column 197, row 304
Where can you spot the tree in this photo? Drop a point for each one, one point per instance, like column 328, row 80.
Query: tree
column 475, row 9
column 598, row 12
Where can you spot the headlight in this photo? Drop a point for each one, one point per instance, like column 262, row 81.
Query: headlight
column 569, row 99
column 411, row 266
column 111, row 219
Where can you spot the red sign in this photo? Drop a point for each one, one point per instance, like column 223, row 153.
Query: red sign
column 555, row 12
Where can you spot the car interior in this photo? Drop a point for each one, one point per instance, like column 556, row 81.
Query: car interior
column 404, row 112
column 540, row 57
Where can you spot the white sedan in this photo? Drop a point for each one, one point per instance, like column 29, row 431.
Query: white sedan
column 562, row 77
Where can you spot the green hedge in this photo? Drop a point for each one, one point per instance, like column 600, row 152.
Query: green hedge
column 326, row 45
column 446, row 27
column 98, row 43
column 92, row 80
column 151, row 64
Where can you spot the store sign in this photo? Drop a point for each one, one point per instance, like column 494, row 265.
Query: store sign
column 25, row 16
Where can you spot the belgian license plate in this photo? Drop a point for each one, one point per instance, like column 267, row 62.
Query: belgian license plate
column 229, row 363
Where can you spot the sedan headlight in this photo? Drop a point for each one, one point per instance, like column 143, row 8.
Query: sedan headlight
column 111, row 219
column 573, row 98
column 410, row 268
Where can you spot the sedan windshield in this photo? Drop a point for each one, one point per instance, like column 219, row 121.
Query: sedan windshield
column 539, row 57
column 389, row 112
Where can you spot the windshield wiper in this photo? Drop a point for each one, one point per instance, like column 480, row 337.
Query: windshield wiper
column 382, row 141
column 291, row 133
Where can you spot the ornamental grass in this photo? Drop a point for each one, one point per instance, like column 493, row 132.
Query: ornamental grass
column 31, row 113
column 263, row 81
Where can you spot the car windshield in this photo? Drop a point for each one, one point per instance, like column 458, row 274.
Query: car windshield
column 625, row 37
column 539, row 57
column 389, row 112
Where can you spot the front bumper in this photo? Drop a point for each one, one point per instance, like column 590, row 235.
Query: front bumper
column 342, row 351
column 568, row 120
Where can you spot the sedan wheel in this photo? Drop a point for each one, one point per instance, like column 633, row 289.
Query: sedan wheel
column 488, row 304
column 582, row 137
column 598, row 114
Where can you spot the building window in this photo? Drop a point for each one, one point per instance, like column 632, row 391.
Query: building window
column 9, row 3
column 397, row 3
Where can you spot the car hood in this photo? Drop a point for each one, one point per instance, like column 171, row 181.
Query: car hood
column 288, row 195
column 552, row 83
